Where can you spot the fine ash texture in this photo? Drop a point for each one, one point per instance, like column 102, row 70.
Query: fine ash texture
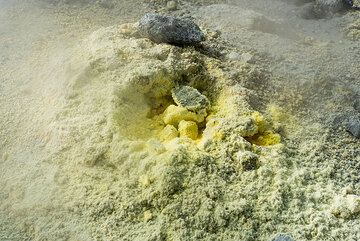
column 145, row 188
column 167, row 29
column 107, row 135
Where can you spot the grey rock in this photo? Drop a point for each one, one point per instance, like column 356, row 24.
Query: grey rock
column 353, row 127
column 324, row 8
column 332, row 5
column 167, row 29
column 356, row 105
column 282, row 237
column 190, row 98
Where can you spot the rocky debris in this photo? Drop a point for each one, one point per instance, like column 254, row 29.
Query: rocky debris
column 167, row 29
column 353, row 127
column 282, row 237
column 324, row 8
column 190, row 98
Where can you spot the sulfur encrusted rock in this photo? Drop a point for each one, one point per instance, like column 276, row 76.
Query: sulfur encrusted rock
column 167, row 29
column 190, row 98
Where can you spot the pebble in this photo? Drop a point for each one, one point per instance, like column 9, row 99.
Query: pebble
column 282, row 237
column 353, row 127
column 171, row 5
column 167, row 29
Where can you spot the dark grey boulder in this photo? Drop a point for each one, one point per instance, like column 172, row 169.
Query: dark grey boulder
column 282, row 237
column 167, row 29
column 353, row 127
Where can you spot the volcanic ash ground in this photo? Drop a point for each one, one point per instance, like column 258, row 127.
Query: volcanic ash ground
column 158, row 142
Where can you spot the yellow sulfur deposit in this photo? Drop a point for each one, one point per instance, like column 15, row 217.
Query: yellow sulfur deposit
column 174, row 114
column 188, row 129
column 266, row 138
column 144, row 181
column 265, row 135
column 147, row 215
column 260, row 121
column 169, row 133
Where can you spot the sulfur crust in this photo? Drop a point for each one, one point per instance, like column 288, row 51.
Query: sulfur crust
column 168, row 133
column 188, row 129
column 174, row 114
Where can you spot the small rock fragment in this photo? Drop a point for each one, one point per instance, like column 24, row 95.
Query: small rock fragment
column 190, row 98
column 188, row 129
column 214, row 34
column 356, row 105
column 354, row 127
column 171, row 5
column 166, row 29
column 282, row 237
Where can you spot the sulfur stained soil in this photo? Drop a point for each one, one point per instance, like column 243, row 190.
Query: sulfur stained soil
column 94, row 147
